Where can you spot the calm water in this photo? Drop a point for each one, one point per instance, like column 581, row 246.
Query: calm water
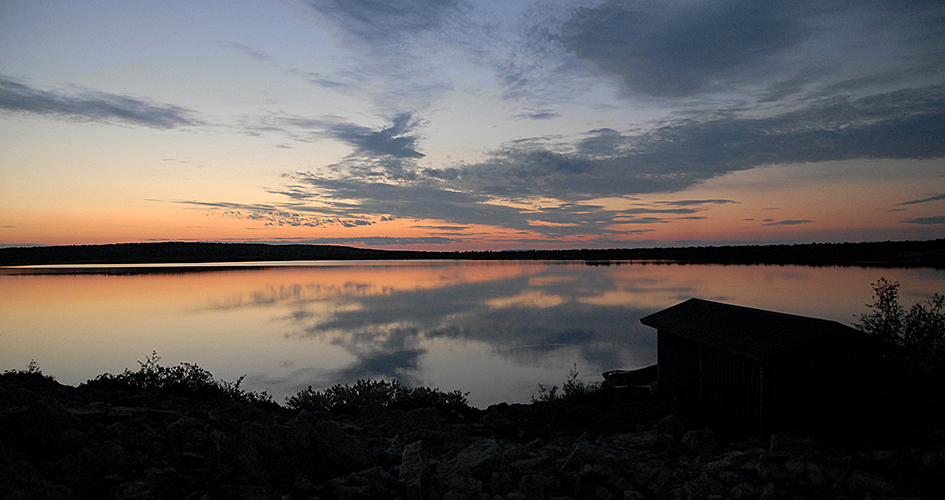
column 495, row 329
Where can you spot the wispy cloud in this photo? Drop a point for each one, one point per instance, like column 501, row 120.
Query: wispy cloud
column 687, row 203
column 938, row 219
column 89, row 105
column 923, row 200
column 539, row 115
column 788, row 222
column 381, row 21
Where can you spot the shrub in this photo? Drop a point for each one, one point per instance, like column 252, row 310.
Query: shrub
column 32, row 372
column 921, row 330
column 573, row 390
column 187, row 380
column 351, row 399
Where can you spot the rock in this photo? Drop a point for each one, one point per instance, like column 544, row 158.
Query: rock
column 862, row 483
column 413, row 471
column 934, row 458
column 769, row 492
column 704, row 487
column 536, row 485
column 501, row 483
column 745, row 491
column 496, row 421
column 643, row 441
column 240, row 492
column 702, row 441
column 456, row 483
column 482, row 459
column 794, row 442
column 672, row 426
column 339, row 449
column 422, row 419
column 382, row 418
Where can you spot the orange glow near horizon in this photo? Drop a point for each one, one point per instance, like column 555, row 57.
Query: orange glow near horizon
column 766, row 204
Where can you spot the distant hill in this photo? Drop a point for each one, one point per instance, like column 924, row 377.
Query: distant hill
column 929, row 253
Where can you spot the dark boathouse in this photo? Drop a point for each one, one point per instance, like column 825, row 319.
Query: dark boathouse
column 753, row 371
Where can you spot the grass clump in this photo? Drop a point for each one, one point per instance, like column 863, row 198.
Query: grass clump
column 186, row 380
column 352, row 399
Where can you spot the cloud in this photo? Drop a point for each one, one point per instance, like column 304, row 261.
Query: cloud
column 635, row 211
column 687, row 203
column 381, row 241
column 391, row 141
column 382, row 177
column 938, row 219
column 388, row 145
column 903, row 124
column 678, row 51
column 284, row 214
column 542, row 54
column 374, row 20
column 539, row 115
column 642, row 220
column 398, row 364
column 91, row 106
column 788, row 222
column 251, row 52
column 778, row 49
column 474, row 312
column 923, row 200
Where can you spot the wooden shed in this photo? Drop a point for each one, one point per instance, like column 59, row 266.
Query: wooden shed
column 755, row 371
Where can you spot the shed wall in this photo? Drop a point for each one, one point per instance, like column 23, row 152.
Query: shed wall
column 725, row 385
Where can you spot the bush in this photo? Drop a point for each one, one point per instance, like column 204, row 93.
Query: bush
column 351, row 399
column 32, row 372
column 573, row 390
column 921, row 330
column 186, row 380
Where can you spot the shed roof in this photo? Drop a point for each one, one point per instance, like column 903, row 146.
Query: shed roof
column 756, row 333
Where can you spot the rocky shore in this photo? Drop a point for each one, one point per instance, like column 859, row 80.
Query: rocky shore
column 62, row 442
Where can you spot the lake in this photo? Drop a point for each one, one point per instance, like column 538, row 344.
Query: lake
column 496, row 329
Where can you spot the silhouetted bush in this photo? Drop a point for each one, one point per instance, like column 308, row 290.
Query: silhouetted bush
column 186, row 380
column 32, row 371
column 920, row 331
column 351, row 399
column 572, row 391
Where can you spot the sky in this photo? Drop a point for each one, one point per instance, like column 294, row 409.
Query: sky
column 472, row 125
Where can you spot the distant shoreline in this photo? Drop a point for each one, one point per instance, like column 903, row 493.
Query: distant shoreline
column 929, row 253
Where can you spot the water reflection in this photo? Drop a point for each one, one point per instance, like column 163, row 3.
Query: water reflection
column 496, row 329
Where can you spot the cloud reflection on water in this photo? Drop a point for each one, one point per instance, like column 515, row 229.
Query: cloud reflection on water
column 526, row 313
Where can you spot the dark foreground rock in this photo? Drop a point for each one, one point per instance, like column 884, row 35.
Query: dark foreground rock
column 65, row 442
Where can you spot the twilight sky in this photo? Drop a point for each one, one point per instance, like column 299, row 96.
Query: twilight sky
column 480, row 124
